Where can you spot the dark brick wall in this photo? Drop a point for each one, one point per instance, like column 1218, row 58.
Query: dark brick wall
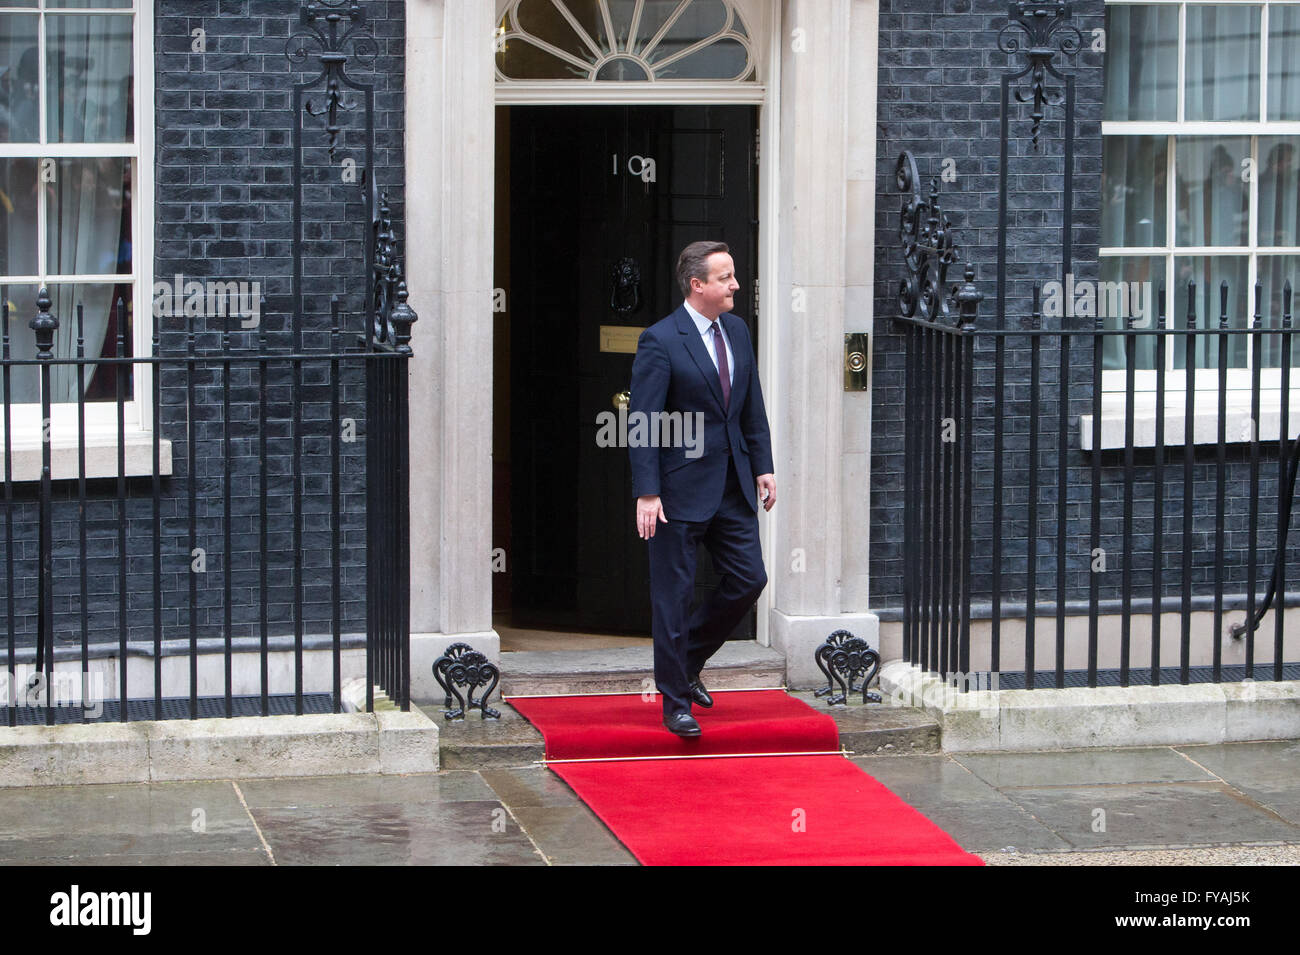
column 224, row 211
column 939, row 74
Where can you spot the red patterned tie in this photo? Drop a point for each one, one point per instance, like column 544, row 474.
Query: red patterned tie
column 724, row 373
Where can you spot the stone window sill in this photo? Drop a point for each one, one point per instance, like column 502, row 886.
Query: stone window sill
column 101, row 457
column 1205, row 422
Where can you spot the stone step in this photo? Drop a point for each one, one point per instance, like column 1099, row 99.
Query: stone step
column 879, row 729
column 865, row 729
column 476, row 743
column 739, row 664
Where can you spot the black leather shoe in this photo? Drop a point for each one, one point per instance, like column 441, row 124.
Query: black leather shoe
column 699, row 694
column 683, row 724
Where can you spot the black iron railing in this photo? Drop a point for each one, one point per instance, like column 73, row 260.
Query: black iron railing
column 280, row 427
column 259, row 527
column 1114, row 466
column 1024, row 504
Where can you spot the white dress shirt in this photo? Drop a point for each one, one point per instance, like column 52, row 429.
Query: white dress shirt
column 706, row 331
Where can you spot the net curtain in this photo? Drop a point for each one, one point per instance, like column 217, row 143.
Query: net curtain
column 88, row 93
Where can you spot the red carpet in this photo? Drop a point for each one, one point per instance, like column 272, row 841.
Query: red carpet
column 741, row 721
column 732, row 810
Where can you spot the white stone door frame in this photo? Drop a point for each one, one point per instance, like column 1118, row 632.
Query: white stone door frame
column 760, row 15
column 817, row 129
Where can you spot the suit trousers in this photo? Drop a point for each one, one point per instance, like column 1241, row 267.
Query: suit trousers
column 684, row 641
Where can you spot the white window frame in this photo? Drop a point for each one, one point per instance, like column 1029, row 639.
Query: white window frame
column 101, row 416
column 751, row 14
column 1205, row 421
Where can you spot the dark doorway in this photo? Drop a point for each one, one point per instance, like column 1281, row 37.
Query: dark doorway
column 586, row 262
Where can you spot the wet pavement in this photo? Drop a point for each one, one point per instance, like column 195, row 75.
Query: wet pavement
column 1166, row 805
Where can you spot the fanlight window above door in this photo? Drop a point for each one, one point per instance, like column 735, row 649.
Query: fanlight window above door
column 623, row 40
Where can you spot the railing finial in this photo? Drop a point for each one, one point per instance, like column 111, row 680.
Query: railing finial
column 968, row 297
column 44, row 325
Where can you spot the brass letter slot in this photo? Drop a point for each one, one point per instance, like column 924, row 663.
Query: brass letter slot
column 620, row 338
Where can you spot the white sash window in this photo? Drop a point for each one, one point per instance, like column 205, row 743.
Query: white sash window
column 1201, row 167
column 76, row 107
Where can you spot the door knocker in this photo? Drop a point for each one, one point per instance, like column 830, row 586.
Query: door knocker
column 625, row 286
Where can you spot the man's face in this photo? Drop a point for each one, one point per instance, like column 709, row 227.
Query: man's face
column 715, row 296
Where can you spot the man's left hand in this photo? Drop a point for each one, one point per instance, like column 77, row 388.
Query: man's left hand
column 766, row 490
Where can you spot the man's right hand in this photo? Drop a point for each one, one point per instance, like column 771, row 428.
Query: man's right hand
column 649, row 511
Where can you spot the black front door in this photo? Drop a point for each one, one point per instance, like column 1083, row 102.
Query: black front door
column 602, row 200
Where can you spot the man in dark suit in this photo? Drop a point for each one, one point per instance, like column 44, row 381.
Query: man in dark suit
column 699, row 362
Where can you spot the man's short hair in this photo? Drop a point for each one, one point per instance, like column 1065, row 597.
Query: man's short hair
column 693, row 263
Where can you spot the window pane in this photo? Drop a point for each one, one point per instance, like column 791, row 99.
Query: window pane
column 1283, row 65
column 70, row 4
column 1141, row 62
column 89, row 226
column 19, row 303
column 1135, row 189
column 103, row 323
column 100, row 327
column 701, row 19
column 543, row 20
column 620, row 14
column 654, row 15
column 1274, row 272
column 724, row 60
column 1222, row 62
column 1212, row 195
column 88, row 78
column 517, row 59
column 1130, row 286
column 1279, row 190
column 621, row 40
column 19, row 74
column 1208, row 272
column 18, row 223
column 623, row 69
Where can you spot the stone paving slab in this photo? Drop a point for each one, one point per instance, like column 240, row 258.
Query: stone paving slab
column 339, row 791
column 564, row 829
column 533, row 786
column 974, row 813
column 1265, row 771
column 450, row 833
column 1157, row 764
column 1118, row 799
column 1144, row 814
column 572, row 835
column 123, row 820
column 1199, row 856
column 229, row 857
column 1221, row 804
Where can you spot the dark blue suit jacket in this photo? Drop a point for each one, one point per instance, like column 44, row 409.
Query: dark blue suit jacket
column 672, row 371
